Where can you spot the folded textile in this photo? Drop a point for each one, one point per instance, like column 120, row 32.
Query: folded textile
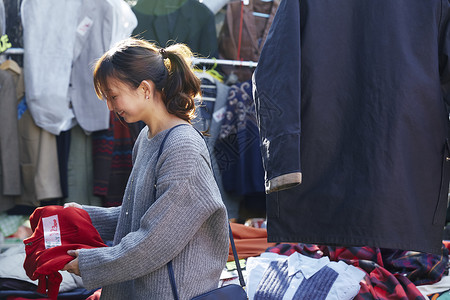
column 390, row 274
column 249, row 241
column 272, row 276
column 55, row 231
column 11, row 268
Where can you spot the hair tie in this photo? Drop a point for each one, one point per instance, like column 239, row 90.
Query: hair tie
column 163, row 53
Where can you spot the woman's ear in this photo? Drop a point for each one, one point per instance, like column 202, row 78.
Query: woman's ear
column 148, row 88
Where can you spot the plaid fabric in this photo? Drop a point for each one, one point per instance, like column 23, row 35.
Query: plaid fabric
column 112, row 149
column 305, row 249
column 390, row 274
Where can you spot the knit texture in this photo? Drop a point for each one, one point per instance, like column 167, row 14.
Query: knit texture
column 274, row 282
column 318, row 286
column 186, row 223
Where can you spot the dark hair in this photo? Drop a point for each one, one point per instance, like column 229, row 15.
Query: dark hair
column 134, row 60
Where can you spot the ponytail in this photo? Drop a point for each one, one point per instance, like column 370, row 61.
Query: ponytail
column 182, row 85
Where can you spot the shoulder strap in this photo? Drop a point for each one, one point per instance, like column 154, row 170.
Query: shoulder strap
column 161, row 147
column 165, row 138
column 169, row 264
column 236, row 257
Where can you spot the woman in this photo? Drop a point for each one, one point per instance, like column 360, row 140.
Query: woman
column 187, row 221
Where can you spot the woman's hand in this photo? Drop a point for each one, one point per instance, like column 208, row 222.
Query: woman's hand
column 72, row 204
column 72, row 266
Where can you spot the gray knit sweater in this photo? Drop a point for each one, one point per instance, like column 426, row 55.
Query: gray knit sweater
column 186, row 223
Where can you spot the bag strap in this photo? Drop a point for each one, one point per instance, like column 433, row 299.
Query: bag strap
column 233, row 247
column 236, row 258
column 159, row 154
column 172, row 280
column 169, row 265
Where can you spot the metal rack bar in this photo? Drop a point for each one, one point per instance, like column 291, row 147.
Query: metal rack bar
column 195, row 60
column 213, row 61
column 13, row 51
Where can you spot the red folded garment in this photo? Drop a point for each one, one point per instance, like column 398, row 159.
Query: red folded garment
column 55, row 231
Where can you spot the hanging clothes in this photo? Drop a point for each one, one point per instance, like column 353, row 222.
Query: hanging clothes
column 37, row 148
column 209, row 117
column 58, row 80
column 244, row 41
column 183, row 21
column 237, row 147
column 93, row 38
column 2, row 19
column 39, row 163
column 353, row 122
column 17, row 72
column 124, row 21
column 9, row 143
column 80, row 172
column 47, row 73
column 238, row 154
column 106, row 23
column 112, row 150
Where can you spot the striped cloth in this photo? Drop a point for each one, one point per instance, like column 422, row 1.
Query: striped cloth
column 275, row 283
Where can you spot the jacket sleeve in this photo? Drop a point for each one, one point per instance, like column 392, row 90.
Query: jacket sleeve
column 277, row 95
column 444, row 57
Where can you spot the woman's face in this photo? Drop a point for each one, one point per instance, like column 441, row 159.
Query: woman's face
column 125, row 101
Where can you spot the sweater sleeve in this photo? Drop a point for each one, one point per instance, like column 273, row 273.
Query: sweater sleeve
column 187, row 196
column 104, row 220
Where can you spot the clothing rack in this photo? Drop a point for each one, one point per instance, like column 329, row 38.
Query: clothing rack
column 213, row 61
column 12, row 51
column 195, row 61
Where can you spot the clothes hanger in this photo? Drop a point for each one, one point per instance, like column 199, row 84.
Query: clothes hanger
column 255, row 13
column 10, row 64
column 213, row 72
column 262, row 15
column 204, row 75
column 211, row 83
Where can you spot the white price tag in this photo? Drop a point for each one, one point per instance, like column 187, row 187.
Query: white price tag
column 219, row 114
column 85, row 25
column 52, row 232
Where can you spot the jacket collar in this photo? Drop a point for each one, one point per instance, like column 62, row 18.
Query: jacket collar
column 250, row 25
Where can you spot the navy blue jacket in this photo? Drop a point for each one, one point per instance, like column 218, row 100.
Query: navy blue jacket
column 351, row 101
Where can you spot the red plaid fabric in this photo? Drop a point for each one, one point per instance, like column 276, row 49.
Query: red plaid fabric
column 390, row 274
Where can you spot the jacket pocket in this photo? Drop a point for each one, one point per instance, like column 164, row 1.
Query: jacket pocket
column 441, row 207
